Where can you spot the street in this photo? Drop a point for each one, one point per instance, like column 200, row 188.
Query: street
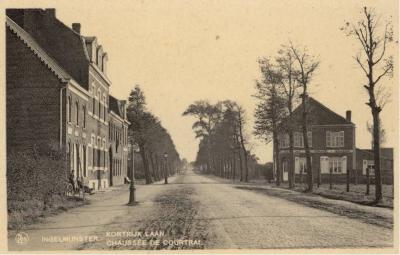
column 195, row 212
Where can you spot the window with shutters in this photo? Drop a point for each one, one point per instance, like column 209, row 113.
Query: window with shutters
column 338, row 165
column 301, row 165
column 334, row 139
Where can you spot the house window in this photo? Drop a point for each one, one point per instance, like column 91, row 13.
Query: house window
column 84, row 116
column 368, row 164
column 69, row 109
column 77, row 113
column 335, row 165
column 334, row 139
column 299, row 139
column 94, row 106
column 301, row 165
column 104, row 107
column 284, row 141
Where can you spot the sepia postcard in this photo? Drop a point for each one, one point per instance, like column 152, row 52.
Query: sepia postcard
column 220, row 126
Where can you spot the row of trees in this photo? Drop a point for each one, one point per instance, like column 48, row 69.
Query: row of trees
column 223, row 146
column 156, row 148
column 287, row 77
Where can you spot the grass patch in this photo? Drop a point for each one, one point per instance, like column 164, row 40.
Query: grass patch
column 316, row 201
column 23, row 213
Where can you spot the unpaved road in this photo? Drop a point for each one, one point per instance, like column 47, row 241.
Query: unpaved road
column 196, row 212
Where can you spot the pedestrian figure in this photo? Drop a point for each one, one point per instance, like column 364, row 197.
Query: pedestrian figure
column 72, row 180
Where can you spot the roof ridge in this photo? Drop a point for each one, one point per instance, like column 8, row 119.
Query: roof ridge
column 329, row 110
column 38, row 51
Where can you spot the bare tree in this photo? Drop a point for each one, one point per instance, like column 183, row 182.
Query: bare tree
column 286, row 65
column 306, row 65
column 375, row 64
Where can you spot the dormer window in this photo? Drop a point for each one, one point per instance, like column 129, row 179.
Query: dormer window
column 105, row 58
column 100, row 57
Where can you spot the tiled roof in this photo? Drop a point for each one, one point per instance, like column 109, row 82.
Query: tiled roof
column 318, row 114
column 37, row 50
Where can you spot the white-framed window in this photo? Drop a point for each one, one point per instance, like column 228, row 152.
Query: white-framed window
column 298, row 139
column 334, row 139
column 300, row 165
column 284, row 141
column 368, row 164
column 335, row 165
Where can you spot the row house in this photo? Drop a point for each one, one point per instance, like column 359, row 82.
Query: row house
column 58, row 93
column 118, row 133
column 331, row 139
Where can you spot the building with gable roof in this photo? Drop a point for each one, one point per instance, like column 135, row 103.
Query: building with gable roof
column 331, row 139
column 57, row 93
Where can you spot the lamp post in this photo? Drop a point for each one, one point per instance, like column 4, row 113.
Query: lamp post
column 132, row 188
column 165, row 168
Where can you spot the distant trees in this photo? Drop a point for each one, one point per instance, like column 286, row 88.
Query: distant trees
column 223, row 145
column 207, row 116
column 152, row 138
column 376, row 64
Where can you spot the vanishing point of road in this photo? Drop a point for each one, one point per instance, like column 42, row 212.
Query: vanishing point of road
column 208, row 211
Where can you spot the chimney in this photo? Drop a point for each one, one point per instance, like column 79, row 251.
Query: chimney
column 51, row 12
column 76, row 27
column 348, row 116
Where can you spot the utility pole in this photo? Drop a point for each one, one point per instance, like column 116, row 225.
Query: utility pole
column 165, row 168
column 132, row 188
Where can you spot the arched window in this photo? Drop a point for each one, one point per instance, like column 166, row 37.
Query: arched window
column 77, row 113
column 69, row 109
column 84, row 116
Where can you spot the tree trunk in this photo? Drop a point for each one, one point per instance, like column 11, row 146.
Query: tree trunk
column 234, row 166
column 377, row 160
column 367, row 191
column 145, row 164
column 306, row 147
column 246, row 166
column 240, row 165
column 276, row 156
column 291, row 161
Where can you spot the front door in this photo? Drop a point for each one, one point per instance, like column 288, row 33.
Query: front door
column 285, row 171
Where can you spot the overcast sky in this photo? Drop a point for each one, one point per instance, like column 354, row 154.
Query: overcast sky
column 181, row 51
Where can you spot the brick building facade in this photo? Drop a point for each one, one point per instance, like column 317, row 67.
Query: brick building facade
column 58, row 93
column 331, row 139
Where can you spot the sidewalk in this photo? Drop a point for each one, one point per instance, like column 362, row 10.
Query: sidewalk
column 104, row 207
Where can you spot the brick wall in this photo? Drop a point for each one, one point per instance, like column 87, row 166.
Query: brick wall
column 33, row 92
